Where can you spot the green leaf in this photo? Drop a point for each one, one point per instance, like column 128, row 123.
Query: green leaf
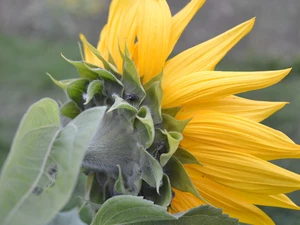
column 202, row 215
column 173, row 139
column 153, row 100
column 94, row 88
column 83, row 71
column 63, row 84
column 111, row 84
column 157, row 78
column 67, row 218
column 120, row 186
column 134, row 91
column 108, row 66
column 43, row 165
column 186, row 157
column 171, row 111
column 126, row 209
column 70, row 110
column 179, row 177
column 120, row 103
column 76, row 90
column 36, row 132
column 172, row 124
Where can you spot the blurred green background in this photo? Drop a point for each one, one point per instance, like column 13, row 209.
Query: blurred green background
column 33, row 33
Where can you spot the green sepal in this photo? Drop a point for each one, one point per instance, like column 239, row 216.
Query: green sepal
column 63, row 84
column 173, row 139
column 172, row 124
column 145, row 127
column 127, row 209
column 164, row 197
column 157, row 78
column 171, row 111
column 77, row 89
column 153, row 100
column 131, row 81
column 120, row 103
column 94, row 88
column 152, row 172
column 70, row 110
column 108, row 66
column 111, row 84
column 185, row 157
column 179, row 177
column 83, row 71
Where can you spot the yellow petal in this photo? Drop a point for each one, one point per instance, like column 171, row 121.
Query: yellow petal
column 121, row 28
column 247, row 173
column 205, row 56
column 154, row 28
column 246, row 108
column 245, row 212
column 216, row 132
column 88, row 54
column 102, row 44
column 279, row 200
column 206, row 86
column 181, row 20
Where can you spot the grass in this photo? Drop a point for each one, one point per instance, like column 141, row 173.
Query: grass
column 23, row 80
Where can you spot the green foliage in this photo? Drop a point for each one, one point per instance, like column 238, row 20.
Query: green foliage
column 42, row 168
column 126, row 209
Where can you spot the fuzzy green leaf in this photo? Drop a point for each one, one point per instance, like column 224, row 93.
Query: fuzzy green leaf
column 63, row 84
column 70, row 110
column 37, row 180
column 76, row 90
column 94, row 88
column 111, row 84
column 120, row 103
column 126, row 209
column 186, row 157
column 202, row 215
column 157, row 78
column 67, row 218
column 83, row 71
column 108, row 66
column 179, row 177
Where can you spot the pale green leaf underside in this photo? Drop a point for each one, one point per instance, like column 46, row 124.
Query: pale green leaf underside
column 28, row 192
column 67, row 218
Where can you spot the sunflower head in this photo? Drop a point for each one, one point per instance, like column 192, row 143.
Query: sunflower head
column 174, row 131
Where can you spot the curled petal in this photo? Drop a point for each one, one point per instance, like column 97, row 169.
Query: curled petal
column 216, row 132
column 233, row 105
column 205, row 56
column 207, row 86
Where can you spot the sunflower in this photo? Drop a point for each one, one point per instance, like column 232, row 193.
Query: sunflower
column 223, row 131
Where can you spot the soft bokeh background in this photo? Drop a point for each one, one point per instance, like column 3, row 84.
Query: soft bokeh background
column 33, row 33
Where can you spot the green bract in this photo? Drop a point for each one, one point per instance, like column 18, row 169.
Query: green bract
column 135, row 149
